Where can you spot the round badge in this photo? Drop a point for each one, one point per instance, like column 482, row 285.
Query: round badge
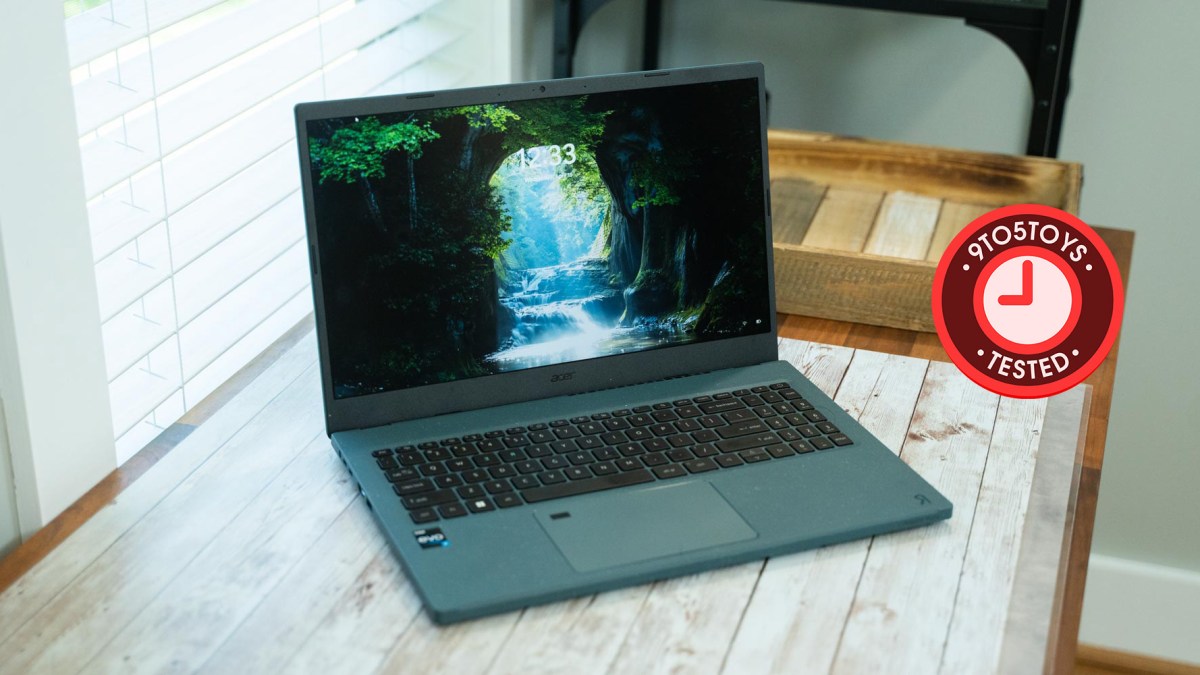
column 1027, row 301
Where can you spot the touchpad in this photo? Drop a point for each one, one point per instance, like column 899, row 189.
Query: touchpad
column 607, row 530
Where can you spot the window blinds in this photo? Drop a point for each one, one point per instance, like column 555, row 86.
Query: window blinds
column 184, row 112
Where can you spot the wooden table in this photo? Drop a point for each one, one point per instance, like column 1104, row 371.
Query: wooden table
column 247, row 549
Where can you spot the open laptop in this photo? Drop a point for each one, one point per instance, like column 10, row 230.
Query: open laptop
column 547, row 335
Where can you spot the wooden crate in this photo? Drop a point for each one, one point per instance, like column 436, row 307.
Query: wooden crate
column 859, row 225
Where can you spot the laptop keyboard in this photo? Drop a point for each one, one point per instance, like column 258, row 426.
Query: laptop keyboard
column 507, row 468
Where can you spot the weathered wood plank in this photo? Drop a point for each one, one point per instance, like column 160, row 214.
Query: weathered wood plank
column 687, row 623
column 469, row 647
column 976, row 631
column 870, row 289
column 793, row 203
column 824, row 365
column 358, row 631
column 60, row 567
column 953, row 218
column 844, row 219
column 305, row 596
column 119, row 583
column 816, row 588
column 905, row 598
column 958, row 175
column 578, row 636
column 219, row 588
column 904, row 226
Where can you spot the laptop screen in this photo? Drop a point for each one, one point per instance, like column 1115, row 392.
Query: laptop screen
column 464, row 241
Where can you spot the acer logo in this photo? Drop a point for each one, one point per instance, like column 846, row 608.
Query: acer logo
column 562, row 377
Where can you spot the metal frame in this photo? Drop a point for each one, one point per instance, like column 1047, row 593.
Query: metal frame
column 1040, row 32
column 534, row 383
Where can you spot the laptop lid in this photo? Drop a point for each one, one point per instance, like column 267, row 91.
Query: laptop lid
column 484, row 246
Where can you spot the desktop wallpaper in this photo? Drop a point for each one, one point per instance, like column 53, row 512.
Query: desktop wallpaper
column 460, row 242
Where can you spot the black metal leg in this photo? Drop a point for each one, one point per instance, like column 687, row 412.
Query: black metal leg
column 1051, row 79
column 652, row 34
column 566, row 33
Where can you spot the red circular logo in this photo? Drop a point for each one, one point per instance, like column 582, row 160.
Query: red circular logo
column 1027, row 300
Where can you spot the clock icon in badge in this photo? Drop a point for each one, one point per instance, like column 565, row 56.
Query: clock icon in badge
column 1027, row 300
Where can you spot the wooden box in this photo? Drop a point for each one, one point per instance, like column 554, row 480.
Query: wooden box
column 859, row 225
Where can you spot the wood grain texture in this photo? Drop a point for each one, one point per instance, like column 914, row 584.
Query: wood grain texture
column 853, row 286
column 904, row 226
column 844, row 219
column 1095, row 660
column 957, row 175
column 793, row 203
column 952, row 219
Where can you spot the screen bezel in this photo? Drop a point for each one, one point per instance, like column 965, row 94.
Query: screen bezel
column 574, row 377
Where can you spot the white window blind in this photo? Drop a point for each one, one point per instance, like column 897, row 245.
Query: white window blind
column 184, row 112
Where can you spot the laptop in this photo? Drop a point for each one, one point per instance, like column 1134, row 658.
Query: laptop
column 547, row 333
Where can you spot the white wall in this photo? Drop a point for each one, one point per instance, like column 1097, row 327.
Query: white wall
column 52, row 377
column 10, row 532
column 1133, row 119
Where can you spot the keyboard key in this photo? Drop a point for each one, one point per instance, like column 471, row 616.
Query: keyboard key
column 457, row 465
column 802, row 447
column 517, row 441
column 637, row 434
column 463, row 450
column 728, row 460
column 437, row 455
column 387, row 463
column 681, row 402
column 656, row 445
column 540, row 426
column 513, row 431
column 579, row 487
column 779, row 450
column 679, row 440
column 604, row 468
column 502, row 471
column 738, row 416
column 702, row 399
column 448, row 481
column 567, row 432
column 661, row 406
column 475, row 476
column 580, row 458
column 808, row 431
column 641, row 420
column 470, row 491
column 528, row 466
column 669, row 471
column 538, row 451
column 711, row 421
column 765, row 411
column 412, row 487
column 827, row 428
column 680, row 455
column 426, row 499
column 472, row 438
column 705, row 450
column 589, row 442
column 789, row 434
column 654, row 459
column 743, row 428
column 398, row 475
column 496, row 487
column 721, row 406
column 480, row 505
column 559, row 423
column 577, row 473
column 427, row 445
column 454, row 510
column 814, row 416
column 525, row 482
column 511, row 456
column 771, row 397
column 423, row 516
column 386, row 452
column 623, row 412
column 432, row 469
column 701, row 465
column 484, row 461
column 705, row 436
column 662, row 429
column 688, row 411
column 541, row 436
column 751, row 456
column 490, row 445
column 747, row 442
column 630, row 449
column 563, row 447
column 616, row 424
column 759, row 389
column 556, row 462
column 552, row 477
column 601, row 416
column 741, row 392
column 508, row 500
column 664, row 416
column 590, row 428
column 776, row 423
column 821, row 443
column 841, row 439
column 580, row 419
column 722, row 396
column 605, row 454
column 753, row 401
column 783, row 408
column 628, row 464
column 779, row 385
column 688, row 425
column 642, row 409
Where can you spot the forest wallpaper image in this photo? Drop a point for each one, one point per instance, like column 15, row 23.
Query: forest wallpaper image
column 460, row 242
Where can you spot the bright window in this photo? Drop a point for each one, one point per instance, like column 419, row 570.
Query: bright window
column 184, row 111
